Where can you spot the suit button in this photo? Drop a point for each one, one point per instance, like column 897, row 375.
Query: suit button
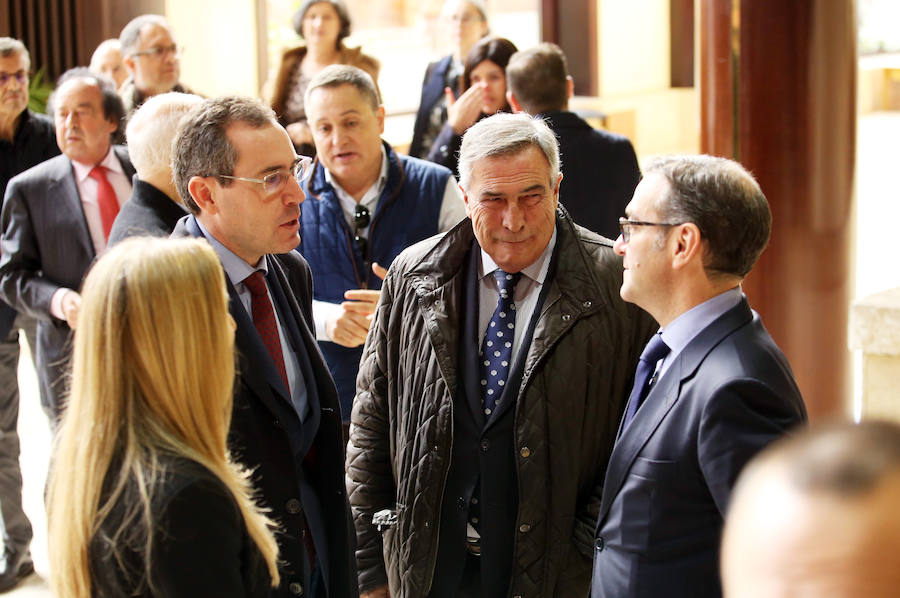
column 598, row 544
column 296, row 589
column 293, row 506
column 485, row 445
column 524, row 528
column 525, row 452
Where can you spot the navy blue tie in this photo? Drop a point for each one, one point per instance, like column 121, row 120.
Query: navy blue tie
column 655, row 350
column 496, row 348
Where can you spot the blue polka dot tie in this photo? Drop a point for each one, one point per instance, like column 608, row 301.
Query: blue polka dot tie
column 496, row 348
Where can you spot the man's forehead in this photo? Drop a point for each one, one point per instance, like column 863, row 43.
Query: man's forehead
column 154, row 32
column 13, row 63
column 260, row 149
column 82, row 90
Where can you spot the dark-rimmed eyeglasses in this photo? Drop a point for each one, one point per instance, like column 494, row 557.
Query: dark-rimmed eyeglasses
column 21, row 76
column 158, row 52
column 625, row 226
column 274, row 181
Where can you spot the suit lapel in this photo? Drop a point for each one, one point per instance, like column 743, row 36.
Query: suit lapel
column 663, row 397
column 69, row 209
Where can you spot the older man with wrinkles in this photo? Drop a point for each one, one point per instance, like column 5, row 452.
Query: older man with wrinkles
column 491, row 387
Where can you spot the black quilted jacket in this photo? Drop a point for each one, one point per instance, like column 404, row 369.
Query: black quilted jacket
column 576, row 379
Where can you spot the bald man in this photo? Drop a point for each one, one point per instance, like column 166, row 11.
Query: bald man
column 816, row 515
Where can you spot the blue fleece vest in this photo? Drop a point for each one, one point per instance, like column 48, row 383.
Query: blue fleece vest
column 407, row 212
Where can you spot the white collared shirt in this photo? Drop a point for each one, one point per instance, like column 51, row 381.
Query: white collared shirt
column 526, row 295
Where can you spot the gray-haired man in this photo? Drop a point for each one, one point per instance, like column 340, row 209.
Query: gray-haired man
column 491, row 387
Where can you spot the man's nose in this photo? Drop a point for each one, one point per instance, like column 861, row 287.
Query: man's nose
column 513, row 217
column 293, row 192
column 619, row 245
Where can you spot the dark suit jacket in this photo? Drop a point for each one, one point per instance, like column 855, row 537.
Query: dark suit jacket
column 432, row 92
column 201, row 546
column 46, row 245
column 724, row 397
column 298, row 466
column 600, row 172
column 148, row 211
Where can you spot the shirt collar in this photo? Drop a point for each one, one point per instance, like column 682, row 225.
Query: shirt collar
column 235, row 268
column 110, row 162
column 370, row 197
column 536, row 271
column 685, row 327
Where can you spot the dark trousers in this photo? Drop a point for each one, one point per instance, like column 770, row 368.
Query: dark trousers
column 14, row 523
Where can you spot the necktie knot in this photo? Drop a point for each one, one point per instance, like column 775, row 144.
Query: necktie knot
column 256, row 284
column 98, row 173
column 506, row 282
column 655, row 350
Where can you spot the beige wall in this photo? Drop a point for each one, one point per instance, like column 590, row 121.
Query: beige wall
column 633, row 46
column 220, row 45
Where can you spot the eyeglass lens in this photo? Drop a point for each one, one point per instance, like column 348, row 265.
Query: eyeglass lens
column 19, row 76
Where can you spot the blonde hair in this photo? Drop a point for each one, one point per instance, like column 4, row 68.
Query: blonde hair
column 153, row 323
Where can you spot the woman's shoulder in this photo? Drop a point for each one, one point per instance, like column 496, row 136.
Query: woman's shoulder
column 356, row 57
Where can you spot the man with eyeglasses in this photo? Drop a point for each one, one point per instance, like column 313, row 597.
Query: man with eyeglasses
column 152, row 58
column 711, row 389
column 26, row 139
column 371, row 204
column 236, row 171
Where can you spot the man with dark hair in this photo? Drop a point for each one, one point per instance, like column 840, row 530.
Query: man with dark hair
column 711, row 388
column 26, row 139
column 816, row 515
column 490, row 388
column 372, row 203
column 154, row 206
column 152, row 58
column 601, row 168
column 56, row 219
column 243, row 192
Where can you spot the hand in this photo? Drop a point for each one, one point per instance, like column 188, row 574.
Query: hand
column 463, row 112
column 70, row 304
column 381, row 592
column 352, row 326
column 299, row 133
column 378, row 270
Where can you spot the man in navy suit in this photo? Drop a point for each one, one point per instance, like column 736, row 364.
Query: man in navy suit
column 601, row 168
column 236, row 171
column 56, row 219
column 712, row 388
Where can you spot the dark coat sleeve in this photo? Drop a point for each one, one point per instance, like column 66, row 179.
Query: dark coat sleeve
column 445, row 150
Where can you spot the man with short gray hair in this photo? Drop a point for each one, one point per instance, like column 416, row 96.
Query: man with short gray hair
column 152, row 58
column 491, row 386
column 154, row 206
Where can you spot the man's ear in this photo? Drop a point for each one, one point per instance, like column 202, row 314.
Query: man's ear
column 688, row 245
column 570, row 86
column 201, row 190
column 379, row 114
column 513, row 102
column 128, row 61
column 465, row 197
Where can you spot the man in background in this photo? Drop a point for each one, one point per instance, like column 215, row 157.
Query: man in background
column 26, row 139
column 154, row 206
column 601, row 168
column 107, row 60
column 152, row 58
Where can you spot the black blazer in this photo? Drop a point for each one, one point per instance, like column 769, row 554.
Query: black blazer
column 727, row 395
column 148, row 211
column 46, row 245
column 600, row 172
column 298, row 466
column 200, row 544
column 432, row 91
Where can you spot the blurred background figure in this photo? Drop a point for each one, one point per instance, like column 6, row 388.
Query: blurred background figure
column 601, row 168
column 467, row 22
column 107, row 60
column 153, row 59
column 484, row 82
column 816, row 515
column 154, row 206
column 153, row 506
column 323, row 25
column 26, row 139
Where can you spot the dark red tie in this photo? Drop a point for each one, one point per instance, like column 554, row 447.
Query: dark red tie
column 106, row 199
column 264, row 320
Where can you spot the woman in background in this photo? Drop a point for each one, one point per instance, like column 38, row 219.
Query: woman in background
column 484, row 82
column 323, row 24
column 467, row 20
column 143, row 497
